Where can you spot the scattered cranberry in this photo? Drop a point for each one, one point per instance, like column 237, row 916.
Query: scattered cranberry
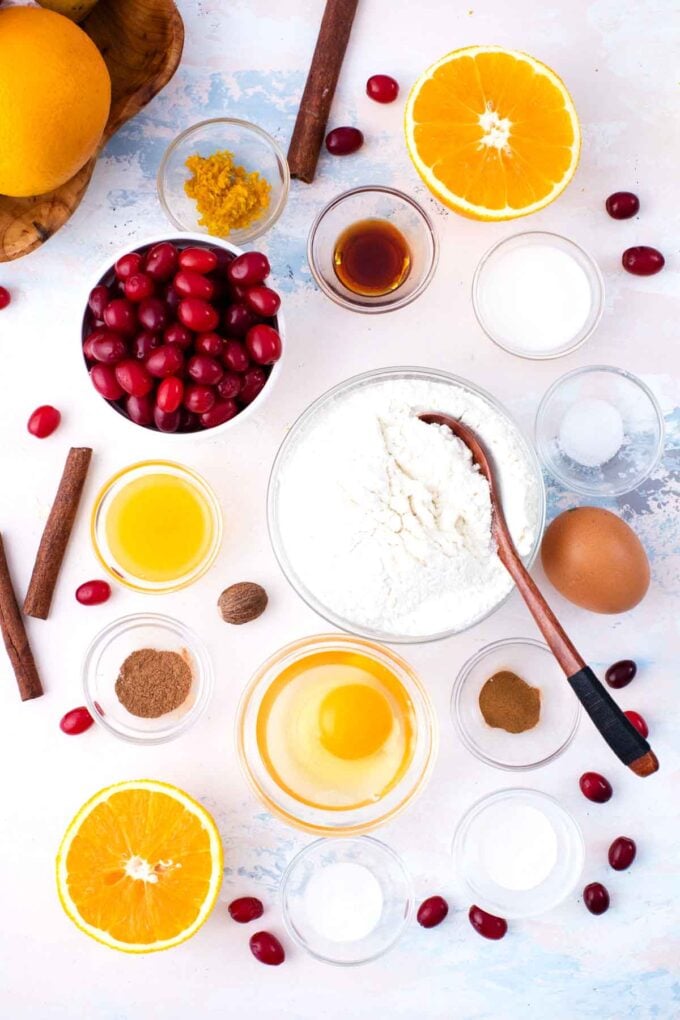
column 488, row 925
column 93, row 593
column 76, row 721
column 263, row 301
column 264, row 344
column 161, row 261
column 343, row 141
column 105, row 382
column 109, row 348
column 595, row 787
column 596, row 898
column 636, row 720
column 204, row 369
column 191, row 284
column 621, row 673
column 44, row 421
column 642, row 260
column 138, row 287
column 253, row 383
column 622, row 205
column 622, row 853
column 238, row 319
column 120, row 316
column 133, row 378
column 199, row 260
column 382, row 88
column 165, row 360
column 221, row 412
column 5, row 298
column 98, row 300
column 169, row 395
column 245, row 909
column 266, row 948
column 128, row 265
column 249, row 268
column 432, row 911
column 235, row 356
column 198, row 399
column 197, row 315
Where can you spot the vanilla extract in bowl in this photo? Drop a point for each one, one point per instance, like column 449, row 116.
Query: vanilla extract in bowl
column 371, row 257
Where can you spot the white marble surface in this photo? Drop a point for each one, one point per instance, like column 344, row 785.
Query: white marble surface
column 248, row 58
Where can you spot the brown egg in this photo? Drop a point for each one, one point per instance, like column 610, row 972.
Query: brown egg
column 595, row 560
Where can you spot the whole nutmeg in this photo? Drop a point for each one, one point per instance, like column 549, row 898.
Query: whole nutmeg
column 242, row 602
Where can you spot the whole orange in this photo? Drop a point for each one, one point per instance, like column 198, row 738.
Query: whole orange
column 55, row 94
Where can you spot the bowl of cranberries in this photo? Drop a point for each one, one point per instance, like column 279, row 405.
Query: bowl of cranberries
column 183, row 337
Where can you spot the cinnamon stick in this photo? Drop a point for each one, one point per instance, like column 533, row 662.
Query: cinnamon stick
column 14, row 636
column 57, row 533
column 315, row 105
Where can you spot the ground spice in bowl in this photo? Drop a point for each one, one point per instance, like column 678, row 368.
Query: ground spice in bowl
column 509, row 703
column 152, row 683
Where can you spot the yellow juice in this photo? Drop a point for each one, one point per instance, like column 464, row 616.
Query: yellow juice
column 159, row 527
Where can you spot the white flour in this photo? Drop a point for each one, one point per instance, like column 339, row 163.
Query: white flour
column 386, row 520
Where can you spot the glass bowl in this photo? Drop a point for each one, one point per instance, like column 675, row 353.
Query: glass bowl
column 373, row 202
column 103, row 503
column 483, row 847
column 109, row 650
column 334, row 821
column 484, row 308
column 298, row 430
column 642, row 422
column 305, row 872
column 252, row 148
column 560, row 709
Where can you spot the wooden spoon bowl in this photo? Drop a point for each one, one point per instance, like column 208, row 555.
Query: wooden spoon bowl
column 141, row 42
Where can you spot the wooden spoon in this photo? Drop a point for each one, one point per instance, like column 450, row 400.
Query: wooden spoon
column 624, row 740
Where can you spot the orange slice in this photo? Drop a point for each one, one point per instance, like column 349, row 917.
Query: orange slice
column 140, row 866
column 492, row 132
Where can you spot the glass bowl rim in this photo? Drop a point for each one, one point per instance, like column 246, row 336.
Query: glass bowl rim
column 397, row 371
column 373, row 309
column 597, row 292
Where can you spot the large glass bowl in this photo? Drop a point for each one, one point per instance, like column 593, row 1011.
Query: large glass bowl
column 298, row 429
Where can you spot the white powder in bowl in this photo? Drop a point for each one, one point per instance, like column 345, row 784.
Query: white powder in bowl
column 386, row 521
column 343, row 901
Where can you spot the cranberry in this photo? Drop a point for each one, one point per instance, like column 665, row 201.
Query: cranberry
column 235, row 356
column 128, row 265
column 596, row 898
column 165, row 360
column 166, row 421
column 98, row 300
column 622, row 205
column 266, row 948
column 595, row 787
column 190, row 284
column 264, row 344
column 93, row 593
column 197, row 315
column 636, row 720
column 133, row 377
column 44, row 421
column 209, row 343
column 622, row 853
column 108, row 348
column 246, row 908
column 204, row 369
column 188, row 421
column 153, row 314
column 172, row 298
column 119, row 315
column 621, row 673
column 488, row 925
column 76, row 721
column 230, row 385
column 5, row 298
column 178, row 334
column 139, row 409
column 138, row 287
column 89, row 340
column 237, row 291
column 263, row 301
column 105, row 382
column 432, row 911
column 382, row 87
column 221, row 411
column 198, row 399
column 343, row 141
column 253, row 384
column 238, row 319
column 161, row 261
column 249, row 268
column 169, row 394
column 199, row 260
column 144, row 343
column 642, row 260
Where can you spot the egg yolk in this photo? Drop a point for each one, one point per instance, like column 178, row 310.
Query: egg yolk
column 355, row 721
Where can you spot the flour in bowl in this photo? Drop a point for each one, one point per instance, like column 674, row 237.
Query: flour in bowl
column 386, row 521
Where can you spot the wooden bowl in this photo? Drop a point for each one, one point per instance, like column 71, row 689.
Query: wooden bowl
column 141, row 42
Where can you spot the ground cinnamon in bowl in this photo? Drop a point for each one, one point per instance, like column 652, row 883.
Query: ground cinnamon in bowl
column 152, row 683
column 508, row 702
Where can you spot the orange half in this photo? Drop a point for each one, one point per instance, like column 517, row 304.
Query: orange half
column 492, row 132
column 140, row 866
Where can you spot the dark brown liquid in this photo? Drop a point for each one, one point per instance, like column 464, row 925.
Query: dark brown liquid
column 372, row 257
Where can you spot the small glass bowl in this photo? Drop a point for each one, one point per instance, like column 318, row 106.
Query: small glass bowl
column 310, row 818
column 643, row 430
column 483, row 821
column 385, row 866
column 560, row 710
column 107, row 653
column 252, row 148
column 584, row 260
column 103, row 503
column 373, row 202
